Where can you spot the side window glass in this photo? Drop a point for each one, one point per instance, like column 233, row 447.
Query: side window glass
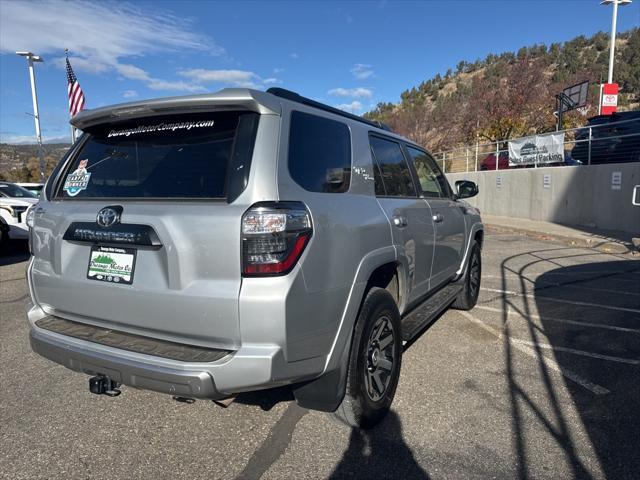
column 319, row 153
column 380, row 191
column 393, row 168
column 432, row 181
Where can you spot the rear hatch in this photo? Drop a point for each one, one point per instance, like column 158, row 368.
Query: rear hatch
column 141, row 234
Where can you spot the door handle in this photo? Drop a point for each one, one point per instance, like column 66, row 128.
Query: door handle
column 399, row 221
column 438, row 218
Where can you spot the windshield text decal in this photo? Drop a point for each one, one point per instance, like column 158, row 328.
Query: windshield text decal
column 160, row 127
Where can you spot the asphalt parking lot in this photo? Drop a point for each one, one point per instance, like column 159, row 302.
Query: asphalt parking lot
column 540, row 380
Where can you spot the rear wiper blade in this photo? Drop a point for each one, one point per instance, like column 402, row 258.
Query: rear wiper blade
column 113, row 153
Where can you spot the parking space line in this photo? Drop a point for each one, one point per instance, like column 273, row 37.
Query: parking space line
column 561, row 320
column 570, row 285
column 551, row 364
column 558, row 300
column 583, row 353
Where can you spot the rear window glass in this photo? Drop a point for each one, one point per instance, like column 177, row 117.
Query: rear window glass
column 319, row 153
column 184, row 156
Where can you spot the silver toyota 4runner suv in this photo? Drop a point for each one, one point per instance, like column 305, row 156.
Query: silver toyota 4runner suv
column 207, row 245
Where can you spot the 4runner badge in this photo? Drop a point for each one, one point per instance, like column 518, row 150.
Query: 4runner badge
column 77, row 180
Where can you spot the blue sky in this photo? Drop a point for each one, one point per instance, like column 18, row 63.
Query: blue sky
column 348, row 54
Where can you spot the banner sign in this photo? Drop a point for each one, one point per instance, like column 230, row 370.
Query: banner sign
column 538, row 149
column 609, row 98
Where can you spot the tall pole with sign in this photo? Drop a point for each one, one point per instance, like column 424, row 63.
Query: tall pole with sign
column 612, row 47
column 609, row 99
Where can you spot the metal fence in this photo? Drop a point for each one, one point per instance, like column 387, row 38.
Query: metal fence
column 614, row 142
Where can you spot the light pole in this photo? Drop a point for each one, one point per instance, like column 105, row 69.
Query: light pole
column 31, row 58
column 614, row 19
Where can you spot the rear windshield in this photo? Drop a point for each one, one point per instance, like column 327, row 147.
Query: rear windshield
column 186, row 156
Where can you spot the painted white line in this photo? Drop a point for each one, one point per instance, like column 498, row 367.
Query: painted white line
column 551, row 364
column 546, row 346
column 610, row 275
column 561, row 320
column 558, row 300
column 570, row 285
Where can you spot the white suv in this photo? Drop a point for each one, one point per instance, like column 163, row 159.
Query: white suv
column 14, row 202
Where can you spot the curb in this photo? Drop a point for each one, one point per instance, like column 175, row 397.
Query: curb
column 604, row 244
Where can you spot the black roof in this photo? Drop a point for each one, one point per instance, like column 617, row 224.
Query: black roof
column 294, row 97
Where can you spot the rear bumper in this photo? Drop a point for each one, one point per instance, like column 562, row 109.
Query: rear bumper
column 252, row 367
column 185, row 383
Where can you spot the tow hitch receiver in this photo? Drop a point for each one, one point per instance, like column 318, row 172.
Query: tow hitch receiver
column 103, row 385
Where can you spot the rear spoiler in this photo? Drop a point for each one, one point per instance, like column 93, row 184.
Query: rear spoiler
column 242, row 98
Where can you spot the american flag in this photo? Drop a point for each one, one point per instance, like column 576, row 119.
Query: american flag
column 76, row 97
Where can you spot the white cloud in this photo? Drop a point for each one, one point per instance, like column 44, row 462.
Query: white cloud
column 129, row 94
column 362, row 71
column 359, row 92
column 295, row 56
column 100, row 35
column 159, row 84
column 221, row 76
column 353, row 107
column 276, row 71
column 236, row 78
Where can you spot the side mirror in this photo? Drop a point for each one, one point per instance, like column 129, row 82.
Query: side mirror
column 635, row 199
column 466, row 189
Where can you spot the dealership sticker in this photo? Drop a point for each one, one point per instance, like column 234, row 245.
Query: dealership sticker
column 77, row 180
column 161, row 127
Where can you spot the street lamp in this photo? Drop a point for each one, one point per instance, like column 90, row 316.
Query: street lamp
column 31, row 58
column 613, row 30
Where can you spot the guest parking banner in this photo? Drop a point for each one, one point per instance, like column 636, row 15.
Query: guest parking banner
column 537, row 150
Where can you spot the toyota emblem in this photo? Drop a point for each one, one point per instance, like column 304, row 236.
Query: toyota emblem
column 108, row 216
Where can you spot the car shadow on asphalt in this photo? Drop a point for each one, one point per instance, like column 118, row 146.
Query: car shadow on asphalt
column 266, row 399
column 14, row 251
column 379, row 453
column 606, row 393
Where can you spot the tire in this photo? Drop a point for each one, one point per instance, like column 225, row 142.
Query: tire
column 4, row 235
column 468, row 297
column 374, row 362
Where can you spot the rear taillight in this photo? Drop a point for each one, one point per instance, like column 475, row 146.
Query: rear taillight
column 274, row 235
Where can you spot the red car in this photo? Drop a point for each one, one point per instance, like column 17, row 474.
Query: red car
column 489, row 163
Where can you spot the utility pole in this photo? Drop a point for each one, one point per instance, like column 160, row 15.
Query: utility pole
column 31, row 59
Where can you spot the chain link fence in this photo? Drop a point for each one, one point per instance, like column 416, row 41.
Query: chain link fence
column 602, row 142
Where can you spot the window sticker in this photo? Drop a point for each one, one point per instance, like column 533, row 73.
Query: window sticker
column 160, row 127
column 77, row 180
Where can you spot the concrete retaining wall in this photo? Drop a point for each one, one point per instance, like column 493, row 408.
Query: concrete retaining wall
column 579, row 196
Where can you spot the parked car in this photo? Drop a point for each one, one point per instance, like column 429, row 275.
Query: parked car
column 32, row 186
column 208, row 245
column 614, row 139
column 14, row 202
column 489, row 162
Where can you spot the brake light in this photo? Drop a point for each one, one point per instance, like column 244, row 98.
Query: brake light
column 274, row 235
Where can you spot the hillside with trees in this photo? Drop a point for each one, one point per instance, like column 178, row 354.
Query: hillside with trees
column 512, row 94
column 21, row 163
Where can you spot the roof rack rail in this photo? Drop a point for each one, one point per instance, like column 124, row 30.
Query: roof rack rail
column 293, row 96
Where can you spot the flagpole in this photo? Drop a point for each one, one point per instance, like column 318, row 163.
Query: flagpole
column 73, row 130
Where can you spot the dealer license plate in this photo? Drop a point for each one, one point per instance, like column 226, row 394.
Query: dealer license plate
column 112, row 264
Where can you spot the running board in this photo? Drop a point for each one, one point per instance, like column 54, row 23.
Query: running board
column 425, row 313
